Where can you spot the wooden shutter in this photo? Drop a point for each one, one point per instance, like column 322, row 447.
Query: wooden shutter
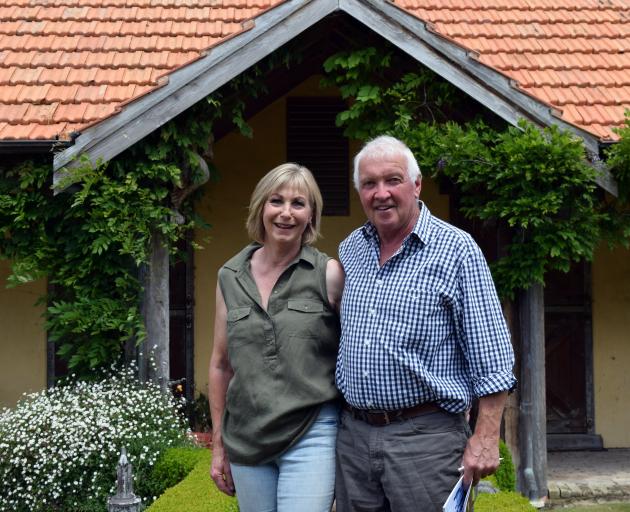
column 314, row 141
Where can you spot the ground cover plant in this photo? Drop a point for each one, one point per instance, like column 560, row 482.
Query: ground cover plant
column 503, row 502
column 59, row 448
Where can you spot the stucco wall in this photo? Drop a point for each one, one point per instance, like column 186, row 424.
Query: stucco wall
column 242, row 162
column 22, row 339
column 611, row 346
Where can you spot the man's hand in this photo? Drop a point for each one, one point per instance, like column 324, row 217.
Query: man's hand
column 481, row 456
column 220, row 471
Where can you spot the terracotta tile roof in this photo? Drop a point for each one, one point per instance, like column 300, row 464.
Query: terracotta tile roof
column 70, row 63
column 572, row 54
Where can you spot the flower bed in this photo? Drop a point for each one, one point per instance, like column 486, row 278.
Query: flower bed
column 59, row 448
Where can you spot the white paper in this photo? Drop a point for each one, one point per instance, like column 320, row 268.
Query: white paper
column 457, row 501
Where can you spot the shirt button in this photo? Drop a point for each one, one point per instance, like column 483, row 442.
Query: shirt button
column 379, row 282
column 366, row 373
column 367, row 343
column 372, row 311
column 369, row 404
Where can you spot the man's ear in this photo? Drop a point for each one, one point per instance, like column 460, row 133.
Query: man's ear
column 417, row 187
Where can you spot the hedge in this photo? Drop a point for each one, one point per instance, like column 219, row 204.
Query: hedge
column 197, row 491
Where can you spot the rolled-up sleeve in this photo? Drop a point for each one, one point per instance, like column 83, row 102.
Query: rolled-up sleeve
column 484, row 335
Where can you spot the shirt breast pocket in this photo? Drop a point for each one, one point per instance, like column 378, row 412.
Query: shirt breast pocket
column 305, row 316
column 239, row 326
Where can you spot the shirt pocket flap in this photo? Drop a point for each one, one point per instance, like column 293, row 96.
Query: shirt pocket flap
column 238, row 313
column 306, row 305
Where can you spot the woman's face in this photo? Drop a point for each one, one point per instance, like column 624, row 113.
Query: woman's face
column 286, row 214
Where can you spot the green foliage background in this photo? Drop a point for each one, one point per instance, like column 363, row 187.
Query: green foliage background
column 535, row 184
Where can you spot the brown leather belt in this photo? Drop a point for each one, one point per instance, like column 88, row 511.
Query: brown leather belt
column 382, row 418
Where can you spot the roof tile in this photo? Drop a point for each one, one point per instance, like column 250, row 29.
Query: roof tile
column 11, row 112
column 71, row 112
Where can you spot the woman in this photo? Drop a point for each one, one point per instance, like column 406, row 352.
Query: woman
column 276, row 335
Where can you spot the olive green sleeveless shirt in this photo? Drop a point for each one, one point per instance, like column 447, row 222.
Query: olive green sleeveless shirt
column 283, row 358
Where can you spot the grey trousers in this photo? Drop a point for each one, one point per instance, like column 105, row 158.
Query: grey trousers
column 410, row 466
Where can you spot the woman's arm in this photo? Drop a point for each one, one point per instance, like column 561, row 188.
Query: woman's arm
column 219, row 376
column 334, row 283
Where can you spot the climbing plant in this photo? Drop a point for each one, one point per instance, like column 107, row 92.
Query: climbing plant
column 90, row 241
column 536, row 183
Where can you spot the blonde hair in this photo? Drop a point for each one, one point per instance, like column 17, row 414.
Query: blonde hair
column 291, row 175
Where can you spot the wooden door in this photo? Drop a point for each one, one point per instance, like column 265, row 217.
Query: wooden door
column 181, row 304
column 568, row 351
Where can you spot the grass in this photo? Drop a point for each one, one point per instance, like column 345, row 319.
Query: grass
column 196, row 493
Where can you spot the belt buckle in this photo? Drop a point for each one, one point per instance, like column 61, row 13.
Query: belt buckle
column 384, row 413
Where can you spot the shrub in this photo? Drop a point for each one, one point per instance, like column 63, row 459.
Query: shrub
column 503, row 502
column 505, row 475
column 171, row 468
column 201, row 421
column 197, row 491
column 59, row 448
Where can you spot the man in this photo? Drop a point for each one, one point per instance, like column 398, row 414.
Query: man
column 422, row 335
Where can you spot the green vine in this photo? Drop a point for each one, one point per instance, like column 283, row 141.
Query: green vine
column 536, row 183
column 90, row 243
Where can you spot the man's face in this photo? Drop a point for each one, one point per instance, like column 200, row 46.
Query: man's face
column 388, row 196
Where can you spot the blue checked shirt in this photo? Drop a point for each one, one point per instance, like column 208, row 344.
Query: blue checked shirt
column 427, row 326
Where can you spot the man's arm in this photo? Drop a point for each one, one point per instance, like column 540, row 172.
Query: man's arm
column 481, row 456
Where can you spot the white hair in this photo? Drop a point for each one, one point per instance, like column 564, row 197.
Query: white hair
column 386, row 146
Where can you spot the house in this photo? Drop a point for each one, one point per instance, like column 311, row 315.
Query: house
column 86, row 78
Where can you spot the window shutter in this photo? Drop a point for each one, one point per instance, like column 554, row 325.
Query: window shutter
column 314, row 141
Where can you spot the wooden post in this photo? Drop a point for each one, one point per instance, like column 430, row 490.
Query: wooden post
column 511, row 413
column 532, row 474
column 154, row 363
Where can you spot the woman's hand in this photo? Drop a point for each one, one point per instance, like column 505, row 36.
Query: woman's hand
column 220, row 471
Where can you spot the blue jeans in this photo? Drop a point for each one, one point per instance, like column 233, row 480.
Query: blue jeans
column 302, row 478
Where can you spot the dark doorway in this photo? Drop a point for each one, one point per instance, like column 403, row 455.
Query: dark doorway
column 181, row 299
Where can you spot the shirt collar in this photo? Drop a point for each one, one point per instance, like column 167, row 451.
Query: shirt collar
column 241, row 260
column 421, row 229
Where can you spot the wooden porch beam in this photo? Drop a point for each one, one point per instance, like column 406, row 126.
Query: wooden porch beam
column 532, row 473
